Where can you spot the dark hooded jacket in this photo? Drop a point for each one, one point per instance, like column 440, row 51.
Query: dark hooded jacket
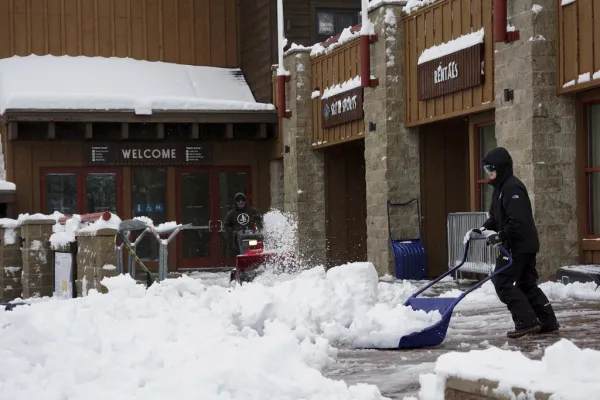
column 240, row 218
column 510, row 212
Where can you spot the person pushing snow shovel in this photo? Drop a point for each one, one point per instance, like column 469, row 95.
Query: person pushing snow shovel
column 511, row 224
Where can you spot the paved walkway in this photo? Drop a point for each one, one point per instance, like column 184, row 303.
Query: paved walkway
column 396, row 373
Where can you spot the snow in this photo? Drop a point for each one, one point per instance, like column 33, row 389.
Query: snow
column 373, row 4
column 537, row 38
column 109, row 267
column 112, row 223
column 350, row 84
column 5, row 185
column 167, row 227
column 315, row 94
column 588, row 269
column 566, row 2
column 413, row 5
column 346, row 36
column 565, row 370
column 536, row 8
column 570, row 83
column 182, row 335
column 63, row 234
column 510, row 28
column 99, row 83
column 596, row 75
column 583, row 78
column 35, row 217
column 452, row 46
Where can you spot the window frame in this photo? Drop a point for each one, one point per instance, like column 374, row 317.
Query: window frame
column 479, row 179
column 328, row 6
column 81, row 175
column 587, row 171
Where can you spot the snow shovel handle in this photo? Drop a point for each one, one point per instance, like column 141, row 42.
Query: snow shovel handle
column 464, row 259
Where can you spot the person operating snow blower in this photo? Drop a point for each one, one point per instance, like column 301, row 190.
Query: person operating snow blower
column 242, row 216
column 511, row 224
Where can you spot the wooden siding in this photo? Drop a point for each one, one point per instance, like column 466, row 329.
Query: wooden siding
column 256, row 44
column 578, row 44
column 327, row 70
column 195, row 32
column 443, row 21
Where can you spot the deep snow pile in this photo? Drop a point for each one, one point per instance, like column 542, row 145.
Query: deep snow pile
column 565, row 370
column 251, row 341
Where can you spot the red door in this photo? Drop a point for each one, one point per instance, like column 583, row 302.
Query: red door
column 204, row 196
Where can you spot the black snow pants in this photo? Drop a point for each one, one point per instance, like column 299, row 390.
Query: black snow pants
column 517, row 288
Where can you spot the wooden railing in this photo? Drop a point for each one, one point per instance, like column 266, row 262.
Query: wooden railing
column 578, row 45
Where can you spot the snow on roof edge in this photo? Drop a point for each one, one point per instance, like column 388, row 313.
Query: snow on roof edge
column 460, row 43
column 101, row 83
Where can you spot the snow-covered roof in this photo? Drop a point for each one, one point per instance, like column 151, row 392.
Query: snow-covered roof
column 99, row 83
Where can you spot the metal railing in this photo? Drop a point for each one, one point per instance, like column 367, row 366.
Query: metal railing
column 481, row 258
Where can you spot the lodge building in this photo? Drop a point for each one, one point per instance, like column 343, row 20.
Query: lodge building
column 409, row 116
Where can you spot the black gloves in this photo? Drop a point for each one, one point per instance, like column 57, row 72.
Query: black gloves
column 496, row 239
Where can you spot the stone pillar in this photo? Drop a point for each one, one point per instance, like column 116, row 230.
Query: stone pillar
column 96, row 259
column 304, row 175
column 538, row 129
column 391, row 150
column 11, row 263
column 38, row 261
column 276, row 184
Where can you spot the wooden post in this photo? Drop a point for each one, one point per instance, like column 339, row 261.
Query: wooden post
column 124, row 130
column 89, row 130
column 51, row 130
column 13, row 130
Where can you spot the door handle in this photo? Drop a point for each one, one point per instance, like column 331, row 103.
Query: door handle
column 210, row 225
column 221, row 222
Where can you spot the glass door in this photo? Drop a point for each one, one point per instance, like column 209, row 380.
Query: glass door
column 196, row 244
column 102, row 191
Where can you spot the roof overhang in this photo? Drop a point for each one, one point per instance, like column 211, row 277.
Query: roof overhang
column 129, row 116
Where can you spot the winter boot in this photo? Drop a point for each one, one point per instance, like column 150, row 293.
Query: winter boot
column 551, row 329
column 528, row 330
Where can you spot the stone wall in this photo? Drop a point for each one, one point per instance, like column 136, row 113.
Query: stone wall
column 304, row 175
column 538, row 128
column 277, row 183
column 11, row 263
column 38, row 261
column 483, row 389
column 96, row 259
column 391, row 150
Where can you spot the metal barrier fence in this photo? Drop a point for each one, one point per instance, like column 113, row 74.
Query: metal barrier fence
column 481, row 258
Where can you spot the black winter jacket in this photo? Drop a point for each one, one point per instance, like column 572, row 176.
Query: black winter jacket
column 511, row 214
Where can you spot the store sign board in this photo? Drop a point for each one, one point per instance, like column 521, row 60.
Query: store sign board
column 148, row 153
column 451, row 73
column 342, row 108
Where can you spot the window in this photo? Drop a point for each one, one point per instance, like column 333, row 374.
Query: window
column 330, row 22
column 592, row 168
column 486, row 141
column 81, row 190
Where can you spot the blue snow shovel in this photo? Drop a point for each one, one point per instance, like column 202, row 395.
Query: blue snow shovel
column 435, row 334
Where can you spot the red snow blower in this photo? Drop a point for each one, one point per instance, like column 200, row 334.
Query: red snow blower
column 252, row 255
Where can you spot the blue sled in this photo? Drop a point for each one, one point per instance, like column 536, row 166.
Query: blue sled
column 435, row 334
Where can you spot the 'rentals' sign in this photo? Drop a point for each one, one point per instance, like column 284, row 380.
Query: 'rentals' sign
column 451, row 73
column 163, row 153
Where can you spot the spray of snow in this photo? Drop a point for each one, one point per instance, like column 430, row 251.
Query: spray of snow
column 536, row 8
column 452, row 46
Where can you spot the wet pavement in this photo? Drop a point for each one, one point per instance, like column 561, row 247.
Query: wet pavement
column 396, row 373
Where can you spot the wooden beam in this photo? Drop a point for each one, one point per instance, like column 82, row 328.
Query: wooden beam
column 51, row 130
column 160, row 131
column 186, row 117
column 195, row 131
column 261, row 132
column 13, row 130
column 89, row 130
column 125, row 130
column 229, row 131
